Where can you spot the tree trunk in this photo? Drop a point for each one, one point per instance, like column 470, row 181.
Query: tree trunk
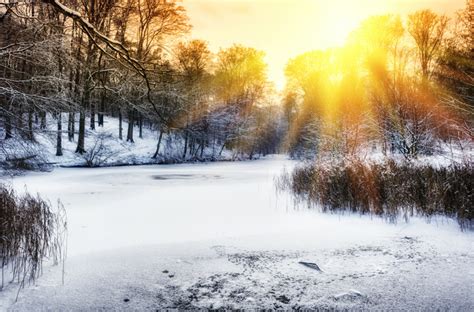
column 191, row 147
column 222, row 149
column 92, row 116
column 30, row 125
column 120, row 125
column 8, row 126
column 59, row 147
column 71, row 126
column 140, row 127
column 82, row 133
column 100, row 115
column 158, row 145
column 43, row 120
column 82, row 121
column 202, row 148
column 130, row 127
column 19, row 123
column 185, row 144
column 86, row 103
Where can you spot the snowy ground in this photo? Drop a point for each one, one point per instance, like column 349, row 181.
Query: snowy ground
column 219, row 236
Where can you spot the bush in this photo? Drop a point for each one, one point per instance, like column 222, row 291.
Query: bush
column 98, row 153
column 388, row 189
column 29, row 233
column 17, row 156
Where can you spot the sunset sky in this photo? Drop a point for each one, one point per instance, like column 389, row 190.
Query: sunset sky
column 286, row 28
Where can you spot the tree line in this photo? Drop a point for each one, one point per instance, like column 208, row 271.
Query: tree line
column 402, row 84
column 85, row 60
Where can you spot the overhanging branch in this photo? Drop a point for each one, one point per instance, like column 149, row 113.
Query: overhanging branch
column 114, row 45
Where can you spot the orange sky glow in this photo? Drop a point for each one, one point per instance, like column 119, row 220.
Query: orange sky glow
column 286, row 28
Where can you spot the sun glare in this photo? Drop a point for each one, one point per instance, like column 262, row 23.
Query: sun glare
column 284, row 28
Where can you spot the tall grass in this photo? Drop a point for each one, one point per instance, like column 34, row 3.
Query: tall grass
column 389, row 189
column 30, row 232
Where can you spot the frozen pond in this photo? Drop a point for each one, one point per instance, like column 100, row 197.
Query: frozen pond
column 218, row 235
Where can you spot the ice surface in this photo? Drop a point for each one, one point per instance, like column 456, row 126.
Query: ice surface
column 226, row 238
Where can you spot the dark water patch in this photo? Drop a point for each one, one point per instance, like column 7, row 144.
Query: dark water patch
column 162, row 177
column 172, row 176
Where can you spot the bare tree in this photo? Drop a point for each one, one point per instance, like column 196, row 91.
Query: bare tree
column 428, row 30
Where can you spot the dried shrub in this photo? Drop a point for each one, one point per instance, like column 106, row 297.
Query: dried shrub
column 30, row 232
column 17, row 156
column 389, row 189
column 99, row 152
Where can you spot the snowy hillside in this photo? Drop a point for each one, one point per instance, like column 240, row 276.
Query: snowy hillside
column 104, row 148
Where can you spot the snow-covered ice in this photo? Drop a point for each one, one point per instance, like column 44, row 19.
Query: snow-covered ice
column 219, row 236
